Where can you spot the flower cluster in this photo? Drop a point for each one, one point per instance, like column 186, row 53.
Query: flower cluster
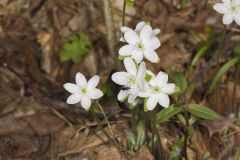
column 137, row 82
column 230, row 9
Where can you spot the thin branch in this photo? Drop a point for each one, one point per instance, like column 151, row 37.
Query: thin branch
column 108, row 123
column 111, row 36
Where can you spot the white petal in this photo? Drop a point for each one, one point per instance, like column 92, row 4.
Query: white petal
column 236, row 2
column 86, row 102
column 122, row 95
column 122, row 39
column 93, row 82
column 140, row 26
column 125, row 29
column 169, row 88
column 137, row 56
column 74, row 98
column 237, row 18
column 131, row 37
column 152, row 102
column 70, row 87
column 142, row 71
column 162, row 79
column 221, row 8
column 153, row 82
column 153, row 44
column 80, row 79
column 155, row 32
column 126, row 50
column 227, row 19
column 121, row 78
column 94, row 93
column 146, row 33
column 130, row 66
column 163, row 100
column 145, row 94
column 133, row 93
column 151, row 55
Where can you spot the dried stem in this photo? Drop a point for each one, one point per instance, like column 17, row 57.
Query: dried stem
column 124, row 13
column 108, row 123
column 111, row 37
column 236, row 80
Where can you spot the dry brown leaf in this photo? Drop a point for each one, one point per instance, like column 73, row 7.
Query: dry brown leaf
column 44, row 123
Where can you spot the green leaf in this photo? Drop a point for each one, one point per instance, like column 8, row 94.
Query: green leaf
column 237, row 49
column 190, row 90
column 167, row 113
column 199, row 54
column 221, row 72
column 131, row 141
column 76, row 48
column 141, row 135
column 129, row 2
column 203, row 112
column 181, row 82
column 182, row 119
column 145, row 105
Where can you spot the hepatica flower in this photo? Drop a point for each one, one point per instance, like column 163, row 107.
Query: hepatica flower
column 138, row 29
column 83, row 91
column 159, row 91
column 142, row 42
column 230, row 9
column 132, row 82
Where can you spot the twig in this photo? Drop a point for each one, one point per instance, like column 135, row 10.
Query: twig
column 108, row 123
column 124, row 13
column 35, row 93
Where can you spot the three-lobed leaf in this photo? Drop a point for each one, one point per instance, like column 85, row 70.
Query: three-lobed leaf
column 76, row 48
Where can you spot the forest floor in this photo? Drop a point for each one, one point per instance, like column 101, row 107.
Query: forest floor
column 35, row 121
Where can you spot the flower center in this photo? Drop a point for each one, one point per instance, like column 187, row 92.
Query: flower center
column 140, row 46
column 156, row 89
column 84, row 91
column 134, row 81
column 234, row 9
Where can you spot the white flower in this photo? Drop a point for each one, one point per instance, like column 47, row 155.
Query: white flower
column 230, row 9
column 158, row 91
column 133, row 81
column 140, row 45
column 83, row 91
column 138, row 29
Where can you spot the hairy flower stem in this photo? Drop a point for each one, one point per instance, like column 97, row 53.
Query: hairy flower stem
column 236, row 80
column 27, row 86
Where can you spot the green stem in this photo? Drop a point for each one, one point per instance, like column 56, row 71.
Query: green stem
column 236, row 80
